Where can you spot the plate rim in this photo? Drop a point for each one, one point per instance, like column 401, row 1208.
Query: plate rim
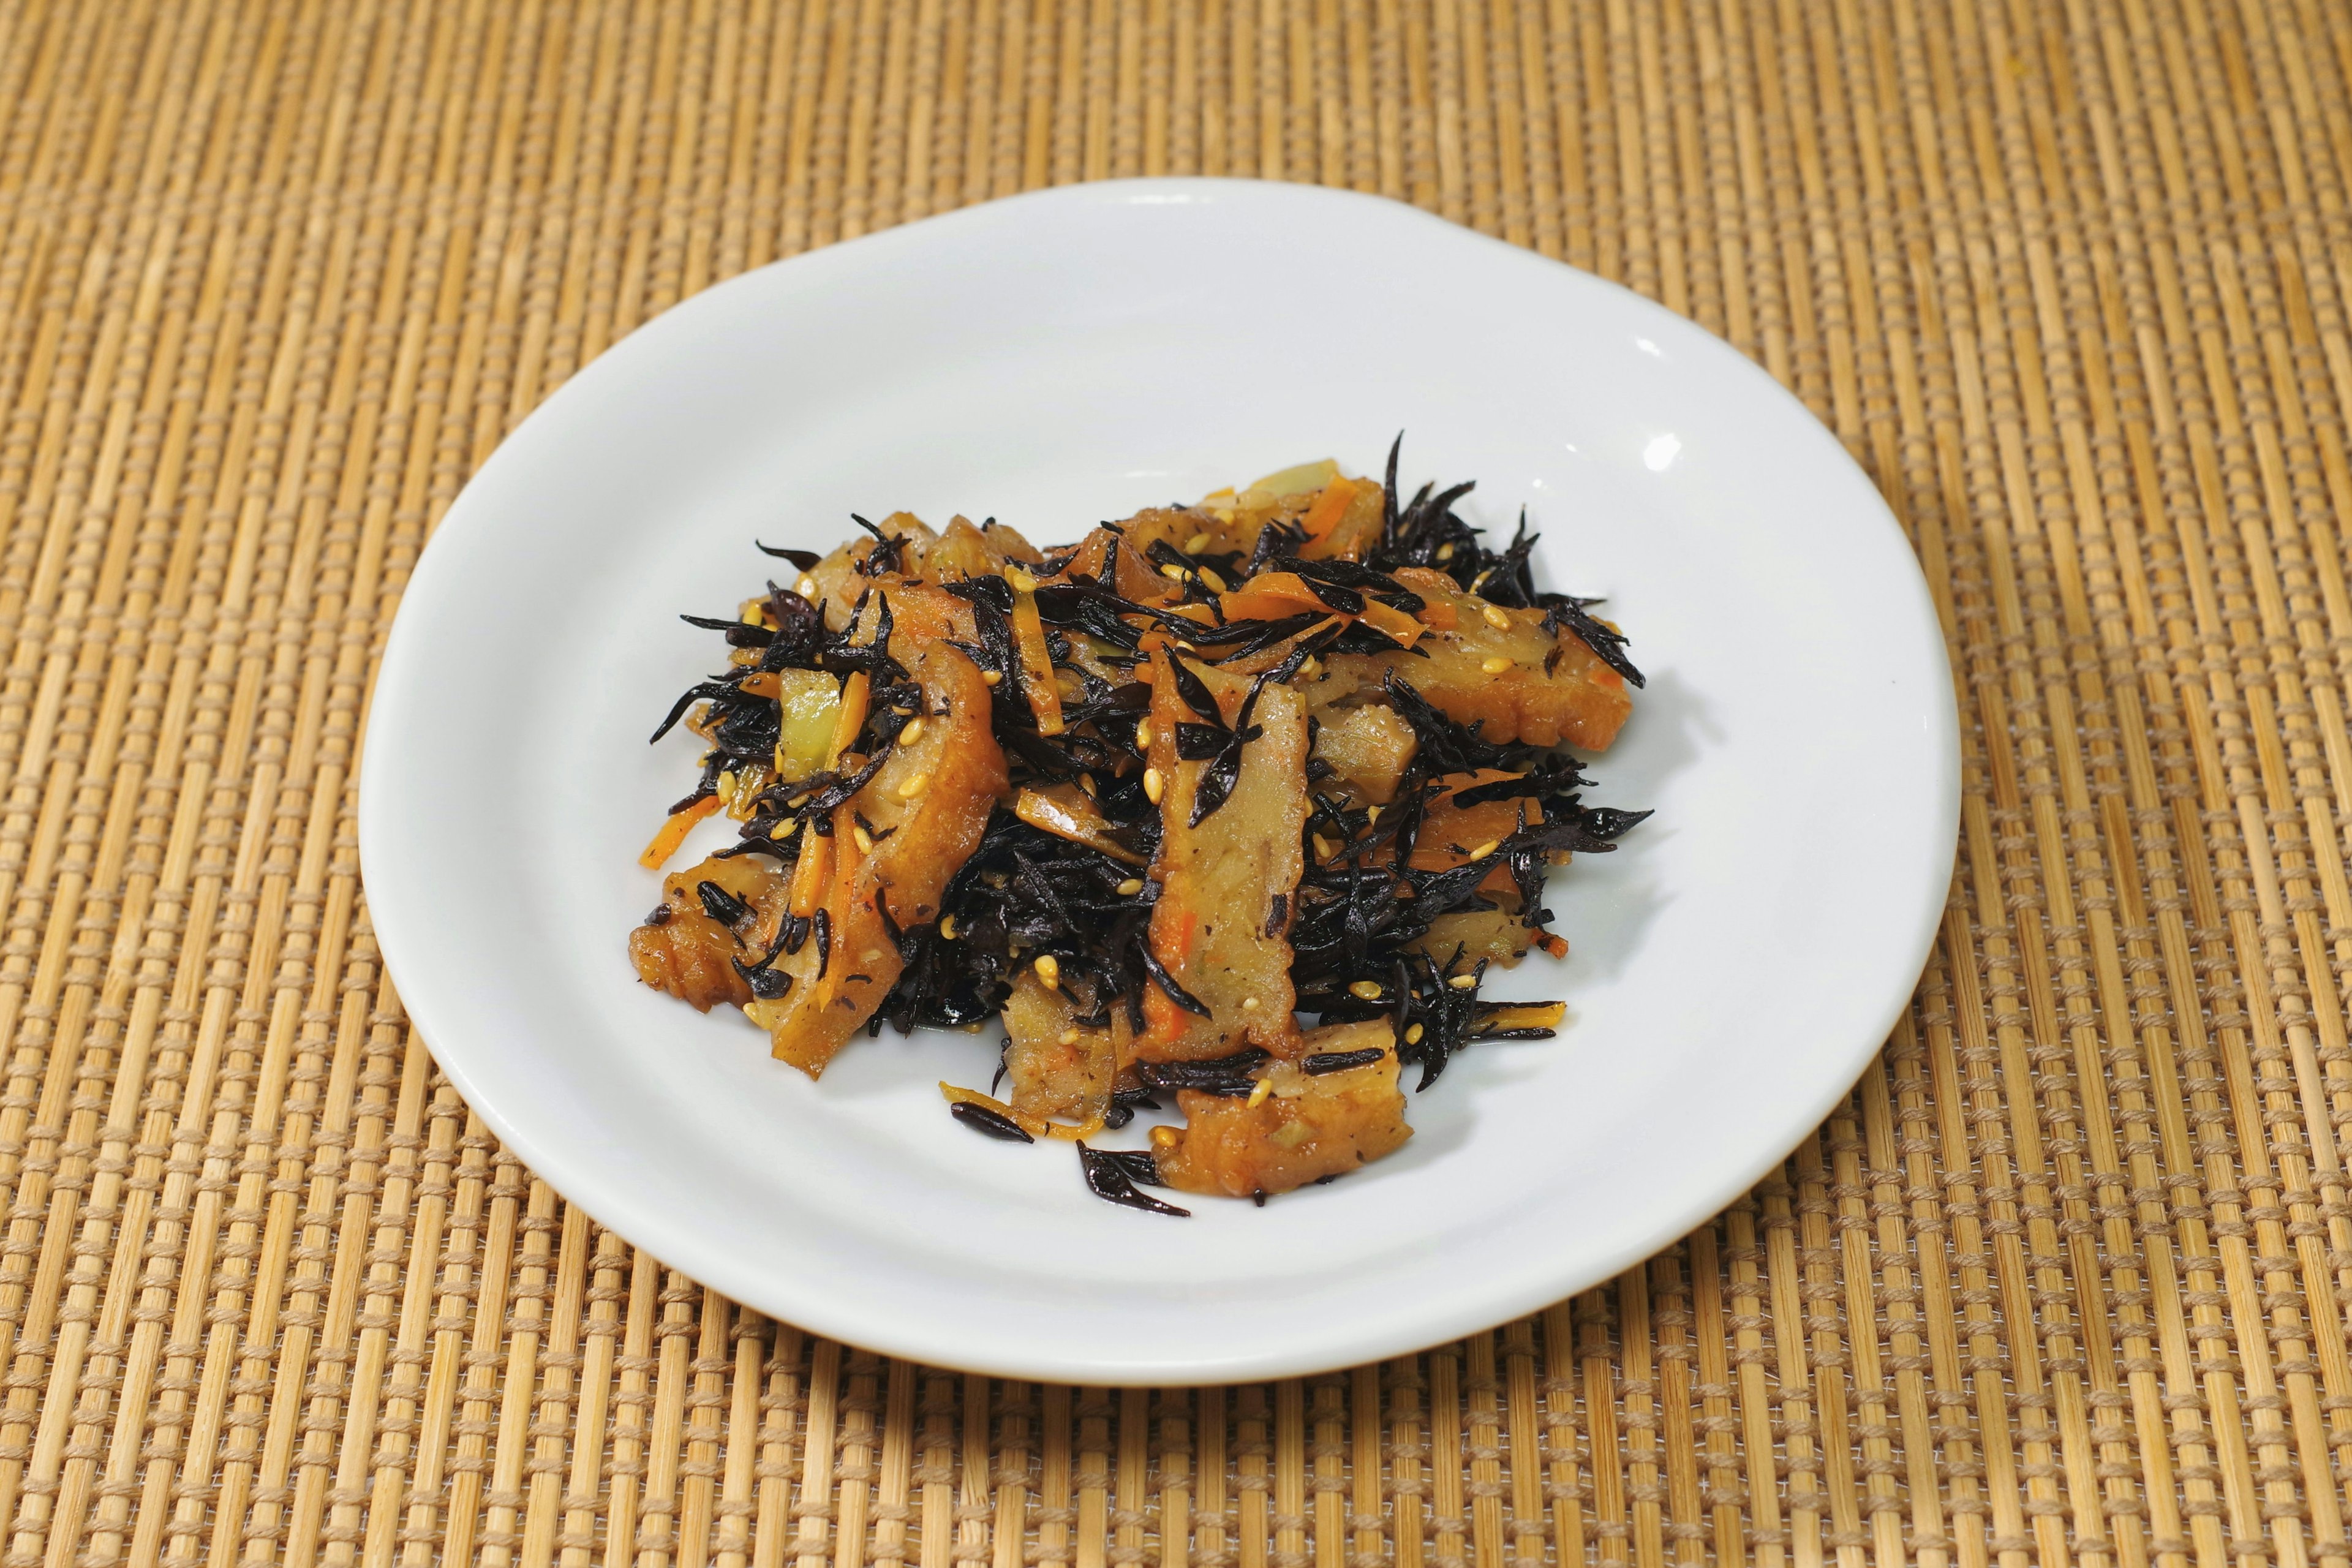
column 388, row 898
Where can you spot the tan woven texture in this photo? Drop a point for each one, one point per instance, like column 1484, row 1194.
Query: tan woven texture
column 2066, row 1278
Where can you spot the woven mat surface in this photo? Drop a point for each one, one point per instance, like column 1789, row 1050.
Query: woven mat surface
column 2065, row 1278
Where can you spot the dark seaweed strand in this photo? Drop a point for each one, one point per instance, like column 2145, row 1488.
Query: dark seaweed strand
column 1340, row 1061
column 990, row 1123
column 1111, row 1178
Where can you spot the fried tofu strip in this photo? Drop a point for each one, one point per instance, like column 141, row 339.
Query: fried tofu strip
column 1306, row 1127
column 1228, row 887
column 927, row 556
column 1369, row 748
column 1502, row 676
column 1056, row 1068
column 686, row 950
column 924, row 811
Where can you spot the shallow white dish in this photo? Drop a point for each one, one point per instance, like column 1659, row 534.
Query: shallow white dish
column 1064, row 357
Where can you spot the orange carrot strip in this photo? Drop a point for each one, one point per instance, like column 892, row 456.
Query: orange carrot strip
column 857, row 694
column 811, row 872
column 674, row 831
column 1329, row 509
column 1064, row 811
column 1441, row 616
column 1395, row 622
column 1269, row 597
column 1036, row 667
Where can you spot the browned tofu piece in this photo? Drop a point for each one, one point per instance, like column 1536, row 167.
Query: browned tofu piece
column 1369, row 748
column 926, row 806
column 967, row 551
column 927, row 556
column 1054, row 1068
column 1308, row 1127
column 1220, row 924
column 1280, row 498
column 687, row 953
column 1465, row 936
column 1578, row 700
column 1131, row 544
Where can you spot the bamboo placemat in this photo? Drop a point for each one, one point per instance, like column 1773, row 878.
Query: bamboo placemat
column 2065, row 1278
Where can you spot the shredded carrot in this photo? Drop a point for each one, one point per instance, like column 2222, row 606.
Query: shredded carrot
column 1439, row 615
column 856, row 697
column 810, row 873
column 1272, row 596
column 1532, row 1015
column 1555, row 945
column 1395, row 622
column 674, row 831
column 1269, row 597
column 1036, row 667
column 1329, row 509
column 841, row 899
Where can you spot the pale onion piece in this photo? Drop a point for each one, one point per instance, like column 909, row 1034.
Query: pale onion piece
column 809, row 703
column 1299, row 479
column 809, row 708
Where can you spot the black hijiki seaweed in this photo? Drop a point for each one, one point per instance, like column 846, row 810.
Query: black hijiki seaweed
column 991, row 1122
column 1112, row 1176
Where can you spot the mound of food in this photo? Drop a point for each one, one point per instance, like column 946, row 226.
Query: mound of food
column 1294, row 748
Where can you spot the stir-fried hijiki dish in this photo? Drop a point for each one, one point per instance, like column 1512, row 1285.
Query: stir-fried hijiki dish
column 1147, row 799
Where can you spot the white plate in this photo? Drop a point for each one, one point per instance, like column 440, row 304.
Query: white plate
column 1064, row 357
